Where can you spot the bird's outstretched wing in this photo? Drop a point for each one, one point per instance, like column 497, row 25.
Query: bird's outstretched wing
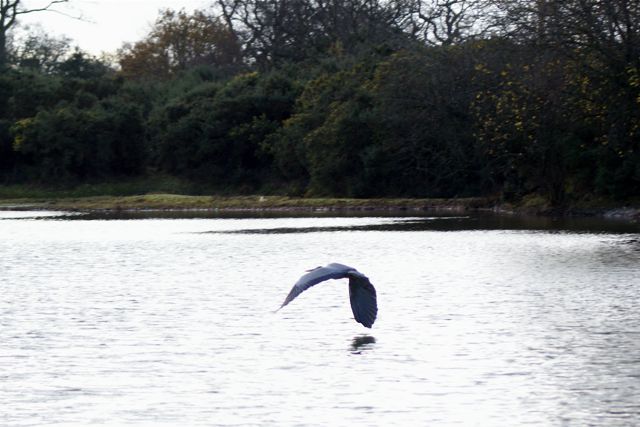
column 362, row 295
column 315, row 276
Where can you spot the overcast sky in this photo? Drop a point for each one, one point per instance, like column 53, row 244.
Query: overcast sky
column 106, row 24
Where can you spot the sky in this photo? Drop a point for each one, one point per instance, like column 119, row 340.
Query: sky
column 105, row 24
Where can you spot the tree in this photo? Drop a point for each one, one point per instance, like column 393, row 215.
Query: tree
column 600, row 41
column 525, row 123
column 447, row 21
column 324, row 148
column 71, row 142
column 278, row 31
column 357, row 24
column 10, row 10
column 271, row 29
column 179, row 41
column 81, row 65
column 608, row 29
column 215, row 132
column 40, row 51
column 426, row 145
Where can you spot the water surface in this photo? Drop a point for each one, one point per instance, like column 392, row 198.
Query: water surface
column 125, row 320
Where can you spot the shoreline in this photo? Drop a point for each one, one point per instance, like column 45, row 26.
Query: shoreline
column 175, row 202
column 230, row 204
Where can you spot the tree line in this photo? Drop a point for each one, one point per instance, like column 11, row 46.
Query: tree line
column 359, row 98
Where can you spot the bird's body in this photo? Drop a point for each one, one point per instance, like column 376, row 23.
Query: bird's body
column 362, row 294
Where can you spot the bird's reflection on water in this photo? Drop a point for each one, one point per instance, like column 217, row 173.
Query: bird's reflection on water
column 362, row 343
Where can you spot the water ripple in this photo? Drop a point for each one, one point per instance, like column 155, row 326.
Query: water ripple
column 161, row 322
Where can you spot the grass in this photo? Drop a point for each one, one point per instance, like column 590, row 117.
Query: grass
column 143, row 185
column 167, row 193
column 185, row 202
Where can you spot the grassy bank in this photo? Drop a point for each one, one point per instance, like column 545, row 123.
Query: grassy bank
column 185, row 202
column 169, row 193
column 172, row 194
column 125, row 187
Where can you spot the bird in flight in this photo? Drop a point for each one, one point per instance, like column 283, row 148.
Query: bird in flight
column 362, row 294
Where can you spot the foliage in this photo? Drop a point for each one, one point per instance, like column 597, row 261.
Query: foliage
column 179, row 41
column 521, row 100
column 69, row 142
column 40, row 51
column 215, row 132
column 10, row 10
column 277, row 32
column 427, row 146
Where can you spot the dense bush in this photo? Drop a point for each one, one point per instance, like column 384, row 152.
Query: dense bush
column 550, row 107
column 215, row 133
column 70, row 143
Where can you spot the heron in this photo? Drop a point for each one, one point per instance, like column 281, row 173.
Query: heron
column 362, row 294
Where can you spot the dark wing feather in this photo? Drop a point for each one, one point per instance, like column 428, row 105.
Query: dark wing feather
column 362, row 295
column 315, row 276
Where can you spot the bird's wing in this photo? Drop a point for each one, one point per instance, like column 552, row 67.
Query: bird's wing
column 362, row 295
column 315, row 276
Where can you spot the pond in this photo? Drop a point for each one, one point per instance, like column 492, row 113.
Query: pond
column 162, row 319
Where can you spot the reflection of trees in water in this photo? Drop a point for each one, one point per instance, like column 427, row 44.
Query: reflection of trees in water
column 435, row 222
column 362, row 342
column 464, row 223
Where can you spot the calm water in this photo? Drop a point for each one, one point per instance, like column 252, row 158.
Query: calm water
column 169, row 321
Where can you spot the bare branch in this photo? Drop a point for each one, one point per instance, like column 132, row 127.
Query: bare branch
column 11, row 9
column 40, row 9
